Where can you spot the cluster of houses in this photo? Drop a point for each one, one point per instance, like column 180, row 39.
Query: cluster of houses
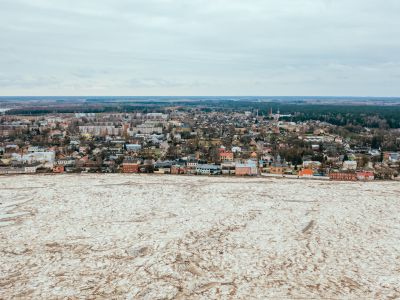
column 190, row 166
column 185, row 142
column 39, row 159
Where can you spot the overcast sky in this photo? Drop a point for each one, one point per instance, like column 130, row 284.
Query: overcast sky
column 200, row 47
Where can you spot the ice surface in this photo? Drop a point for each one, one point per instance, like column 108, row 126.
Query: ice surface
column 177, row 237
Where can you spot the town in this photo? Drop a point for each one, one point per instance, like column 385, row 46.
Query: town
column 194, row 140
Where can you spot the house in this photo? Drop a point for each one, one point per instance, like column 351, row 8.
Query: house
column 253, row 155
column 147, row 166
column 349, row 165
column 208, row 169
column 47, row 158
column 343, row 176
column 311, row 164
column 365, row 175
column 130, row 166
column 315, row 147
column 228, row 168
column 278, row 166
column 236, row 149
column 249, row 168
column 91, row 166
column 133, row 147
column 391, row 156
column 163, row 167
column 306, row 173
column 11, row 148
column 178, row 169
column 59, row 169
column 83, row 149
column 191, row 165
column 225, row 155
column 65, row 161
column 31, row 168
column 108, row 166
column 33, row 149
column 12, row 170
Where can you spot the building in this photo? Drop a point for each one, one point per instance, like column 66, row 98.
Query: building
column 226, row 155
column 191, row 165
column 207, row 169
column 147, row 166
column 47, row 158
column 246, row 169
column 100, row 130
column 66, row 161
column 58, row 169
column 311, row 164
column 391, row 156
column 236, row 149
column 315, row 147
column 163, row 167
column 306, row 173
column 156, row 116
column 29, row 169
column 130, row 166
column 133, row 147
column 228, row 168
column 145, row 129
column 178, row 169
column 343, row 176
column 365, row 175
column 278, row 166
column 33, row 149
column 12, row 170
column 349, row 165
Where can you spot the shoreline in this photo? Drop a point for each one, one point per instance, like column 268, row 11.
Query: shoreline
column 261, row 176
column 131, row 236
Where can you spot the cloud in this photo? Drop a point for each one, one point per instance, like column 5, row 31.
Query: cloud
column 200, row 47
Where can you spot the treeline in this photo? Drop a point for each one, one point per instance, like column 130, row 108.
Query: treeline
column 372, row 116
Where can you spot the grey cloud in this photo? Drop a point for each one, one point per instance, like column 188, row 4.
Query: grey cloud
column 200, row 47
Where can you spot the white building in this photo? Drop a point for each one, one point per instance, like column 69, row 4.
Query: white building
column 46, row 158
column 133, row 147
column 100, row 130
column 311, row 164
column 349, row 165
column 206, row 169
column 144, row 129
column 236, row 149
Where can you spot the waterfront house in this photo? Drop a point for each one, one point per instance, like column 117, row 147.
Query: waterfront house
column 208, row 169
column 365, row 175
column 248, row 168
column 343, row 176
column 278, row 166
column 306, row 173
column 130, row 165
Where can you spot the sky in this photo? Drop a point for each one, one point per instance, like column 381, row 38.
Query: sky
column 200, row 47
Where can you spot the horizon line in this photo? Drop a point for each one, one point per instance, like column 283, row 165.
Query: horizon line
column 197, row 96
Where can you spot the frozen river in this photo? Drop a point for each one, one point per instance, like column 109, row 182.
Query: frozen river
column 170, row 237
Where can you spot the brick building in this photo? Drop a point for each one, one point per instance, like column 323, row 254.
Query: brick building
column 306, row 173
column 365, row 175
column 343, row 176
column 130, row 166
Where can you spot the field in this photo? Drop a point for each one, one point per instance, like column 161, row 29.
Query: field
column 169, row 237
